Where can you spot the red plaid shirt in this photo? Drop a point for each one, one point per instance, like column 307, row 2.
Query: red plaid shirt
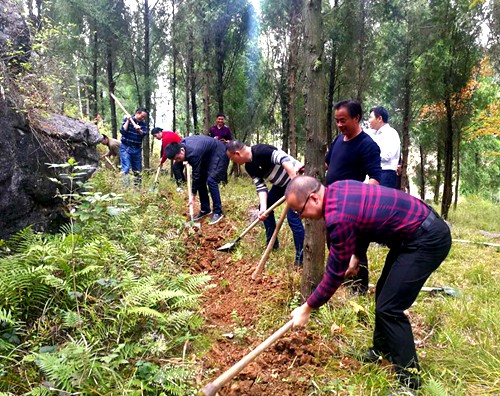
column 357, row 214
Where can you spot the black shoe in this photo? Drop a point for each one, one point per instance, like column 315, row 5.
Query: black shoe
column 201, row 215
column 403, row 391
column 215, row 218
column 409, row 378
column 373, row 355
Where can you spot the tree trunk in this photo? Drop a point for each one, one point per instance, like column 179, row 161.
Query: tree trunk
column 292, row 73
column 219, row 70
column 284, row 100
column 174, row 76
column 111, row 87
column 186, row 102
column 406, row 117
column 314, row 243
column 147, row 84
column 95, row 60
column 361, row 51
column 422, row 173
column 448, row 160
column 206, row 82
column 192, row 80
column 457, row 177
column 331, row 87
column 437, row 185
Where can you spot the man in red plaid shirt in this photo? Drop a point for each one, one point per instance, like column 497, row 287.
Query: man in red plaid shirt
column 355, row 215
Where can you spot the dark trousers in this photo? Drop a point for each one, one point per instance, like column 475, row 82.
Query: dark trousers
column 389, row 178
column 406, row 269
column 178, row 171
column 213, row 187
column 294, row 222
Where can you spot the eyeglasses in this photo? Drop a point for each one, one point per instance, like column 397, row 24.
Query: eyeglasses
column 299, row 212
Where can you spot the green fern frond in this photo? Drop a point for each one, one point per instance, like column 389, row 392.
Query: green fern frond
column 435, row 388
column 144, row 311
column 174, row 380
column 6, row 316
column 55, row 282
column 71, row 319
column 21, row 240
column 183, row 320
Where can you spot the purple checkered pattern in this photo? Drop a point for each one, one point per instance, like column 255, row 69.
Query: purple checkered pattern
column 356, row 214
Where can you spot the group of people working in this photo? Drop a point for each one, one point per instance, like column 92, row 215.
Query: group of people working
column 355, row 213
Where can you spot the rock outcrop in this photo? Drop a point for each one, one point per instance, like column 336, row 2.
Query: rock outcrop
column 29, row 144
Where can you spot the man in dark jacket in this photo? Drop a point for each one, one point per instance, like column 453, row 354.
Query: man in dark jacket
column 209, row 161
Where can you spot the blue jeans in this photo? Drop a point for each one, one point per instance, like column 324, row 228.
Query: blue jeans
column 131, row 158
column 294, row 223
column 389, row 178
column 213, row 187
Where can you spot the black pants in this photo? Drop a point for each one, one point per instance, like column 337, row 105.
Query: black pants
column 178, row 171
column 406, row 269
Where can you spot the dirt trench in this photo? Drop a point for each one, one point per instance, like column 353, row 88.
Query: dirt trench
column 231, row 309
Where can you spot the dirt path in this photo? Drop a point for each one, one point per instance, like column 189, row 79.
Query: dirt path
column 232, row 307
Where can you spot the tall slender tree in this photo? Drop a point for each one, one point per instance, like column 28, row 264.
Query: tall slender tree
column 314, row 243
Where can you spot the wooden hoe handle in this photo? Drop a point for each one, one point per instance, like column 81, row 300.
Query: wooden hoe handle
column 213, row 387
column 127, row 114
column 257, row 220
column 270, row 245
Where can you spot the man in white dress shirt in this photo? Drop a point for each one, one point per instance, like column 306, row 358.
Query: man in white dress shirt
column 387, row 139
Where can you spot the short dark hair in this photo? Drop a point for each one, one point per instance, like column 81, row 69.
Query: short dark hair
column 380, row 111
column 302, row 186
column 353, row 108
column 172, row 150
column 141, row 110
column 104, row 136
column 220, row 115
column 156, row 130
column 234, row 145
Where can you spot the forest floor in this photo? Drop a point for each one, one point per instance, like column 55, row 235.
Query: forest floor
column 454, row 336
column 232, row 309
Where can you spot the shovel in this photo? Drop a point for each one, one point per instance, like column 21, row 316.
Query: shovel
column 260, row 267
column 213, row 387
column 155, row 182
column 110, row 163
column 448, row 290
column 127, row 114
column 191, row 223
column 230, row 245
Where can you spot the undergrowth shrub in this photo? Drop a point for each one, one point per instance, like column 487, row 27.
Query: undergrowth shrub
column 80, row 309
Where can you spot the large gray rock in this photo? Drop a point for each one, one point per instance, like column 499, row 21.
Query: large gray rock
column 14, row 34
column 27, row 196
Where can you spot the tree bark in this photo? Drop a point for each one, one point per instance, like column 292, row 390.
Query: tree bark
column 457, row 177
column 448, row 160
column 361, row 51
column 406, row 117
column 314, row 243
column 284, row 100
column 174, row 75
column 186, row 102
column 292, row 73
column 95, row 60
column 331, row 87
column 437, row 185
column 422, row 173
column 206, row 82
column 111, row 87
column 147, row 84
column 192, row 80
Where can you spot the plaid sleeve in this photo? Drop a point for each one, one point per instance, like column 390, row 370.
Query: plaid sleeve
column 342, row 244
